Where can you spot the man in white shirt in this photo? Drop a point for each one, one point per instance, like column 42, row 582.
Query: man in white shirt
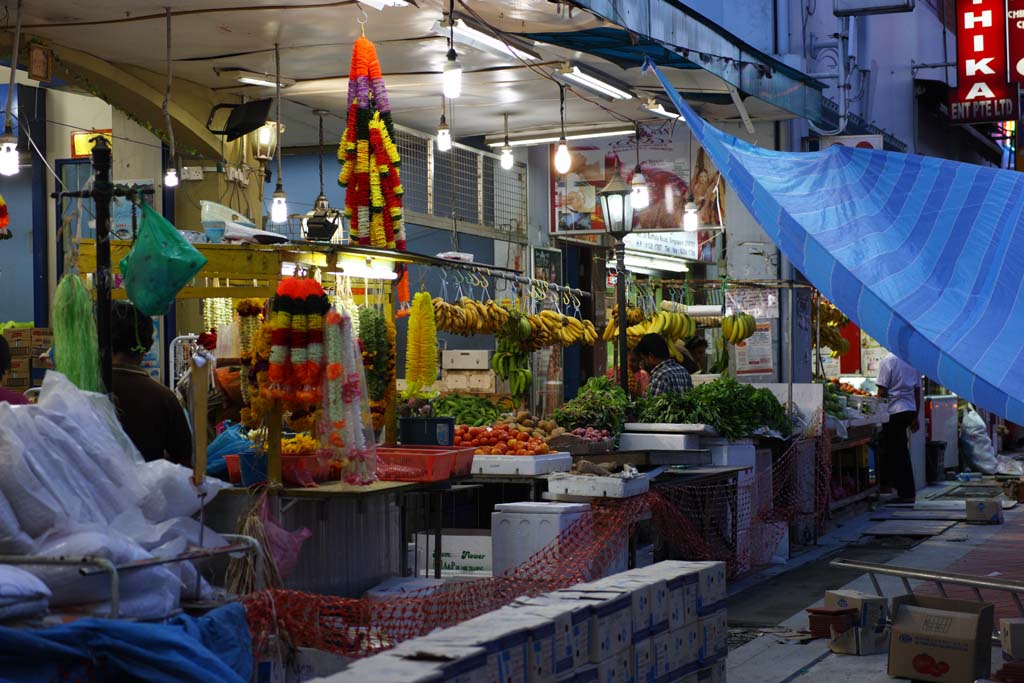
column 901, row 384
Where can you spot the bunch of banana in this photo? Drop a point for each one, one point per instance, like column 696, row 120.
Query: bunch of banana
column 511, row 361
column 468, row 317
column 832, row 322
column 551, row 328
column 737, row 327
column 633, row 314
column 669, row 325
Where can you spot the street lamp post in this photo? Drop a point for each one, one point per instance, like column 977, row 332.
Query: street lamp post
column 617, row 209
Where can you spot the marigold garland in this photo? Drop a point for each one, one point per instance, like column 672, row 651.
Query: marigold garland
column 421, row 348
column 296, row 336
column 369, row 156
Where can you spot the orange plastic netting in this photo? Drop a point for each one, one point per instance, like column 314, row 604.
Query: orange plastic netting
column 737, row 521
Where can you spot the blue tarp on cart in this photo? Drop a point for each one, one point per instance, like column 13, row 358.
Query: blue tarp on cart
column 212, row 648
column 925, row 254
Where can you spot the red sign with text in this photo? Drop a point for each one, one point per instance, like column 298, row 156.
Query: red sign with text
column 983, row 92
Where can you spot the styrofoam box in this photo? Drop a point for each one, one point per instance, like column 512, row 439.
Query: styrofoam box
column 725, row 453
column 598, row 487
column 522, row 465
column 670, row 428
column 518, row 530
column 465, row 360
column 654, row 441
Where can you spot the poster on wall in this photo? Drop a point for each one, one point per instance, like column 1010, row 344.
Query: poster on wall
column 760, row 303
column 754, row 355
column 121, row 209
column 871, row 354
column 665, row 151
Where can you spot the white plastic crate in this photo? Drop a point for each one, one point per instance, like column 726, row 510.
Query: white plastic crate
column 655, row 441
column 522, row 465
column 599, row 487
column 518, row 530
column 670, row 428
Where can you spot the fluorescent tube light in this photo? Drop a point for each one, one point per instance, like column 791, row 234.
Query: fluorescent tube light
column 594, row 82
column 254, row 78
column 467, row 34
column 379, row 5
column 541, row 139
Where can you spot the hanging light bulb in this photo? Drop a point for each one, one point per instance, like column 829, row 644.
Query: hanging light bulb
column 279, row 206
column 691, row 221
column 8, row 155
column 444, row 134
column 507, row 160
column 452, row 76
column 641, row 194
column 171, row 177
column 563, row 160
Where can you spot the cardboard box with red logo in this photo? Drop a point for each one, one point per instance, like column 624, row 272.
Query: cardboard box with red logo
column 942, row 640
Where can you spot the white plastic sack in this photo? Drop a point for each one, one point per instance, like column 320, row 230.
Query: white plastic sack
column 186, row 571
column 22, row 594
column 13, row 541
column 68, row 586
column 1010, row 465
column 151, row 536
column 170, row 492
column 976, row 444
column 35, row 508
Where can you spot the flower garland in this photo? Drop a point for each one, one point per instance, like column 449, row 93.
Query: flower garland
column 421, row 349
column 250, row 313
column 296, row 351
column 379, row 407
column 5, row 220
column 369, row 156
column 344, row 417
column 254, row 414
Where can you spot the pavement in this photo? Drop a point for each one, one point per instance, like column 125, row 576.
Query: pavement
column 781, row 656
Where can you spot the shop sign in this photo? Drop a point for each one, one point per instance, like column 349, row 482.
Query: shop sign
column 674, row 244
column 858, row 141
column 82, row 142
column 983, row 92
column 1015, row 35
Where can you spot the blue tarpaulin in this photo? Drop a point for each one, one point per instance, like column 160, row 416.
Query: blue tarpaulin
column 215, row 648
column 925, row 254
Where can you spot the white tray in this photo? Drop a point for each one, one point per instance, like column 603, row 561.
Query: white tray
column 659, row 441
column 521, row 465
column 677, row 428
column 598, row 487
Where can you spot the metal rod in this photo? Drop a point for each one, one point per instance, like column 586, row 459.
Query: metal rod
column 942, row 589
column 977, row 594
column 194, row 554
column 102, row 564
column 874, row 582
column 620, row 296
column 906, row 585
column 988, row 583
column 1016, row 601
column 102, row 192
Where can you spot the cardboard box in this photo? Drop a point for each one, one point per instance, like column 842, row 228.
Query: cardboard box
column 872, row 610
column 1011, row 637
column 611, row 621
column 463, row 551
column 860, row 640
column 713, row 632
column 685, row 646
column 572, row 629
column 661, row 653
column 20, row 365
column 940, row 640
column 18, row 338
column 505, row 639
column 459, row 664
column 465, row 360
column 988, row 511
column 643, row 661
column 456, row 381
column 617, row 668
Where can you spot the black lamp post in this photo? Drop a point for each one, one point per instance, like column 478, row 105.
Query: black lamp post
column 617, row 209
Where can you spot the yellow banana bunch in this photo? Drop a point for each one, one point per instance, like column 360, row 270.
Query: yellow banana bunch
column 832, row 322
column 551, row 328
column 468, row 316
column 737, row 327
column 633, row 314
column 671, row 326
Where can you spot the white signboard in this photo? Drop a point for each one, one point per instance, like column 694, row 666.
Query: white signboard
column 763, row 304
column 859, row 141
column 675, row 244
column 754, row 356
column 853, row 8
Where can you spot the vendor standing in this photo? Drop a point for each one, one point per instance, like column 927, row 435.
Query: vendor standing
column 149, row 412
column 899, row 382
column 667, row 376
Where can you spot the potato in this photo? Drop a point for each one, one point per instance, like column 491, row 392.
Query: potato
column 557, row 431
column 530, row 424
column 523, row 415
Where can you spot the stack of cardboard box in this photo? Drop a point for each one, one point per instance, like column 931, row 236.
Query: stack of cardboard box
column 663, row 623
column 23, row 345
column 467, row 371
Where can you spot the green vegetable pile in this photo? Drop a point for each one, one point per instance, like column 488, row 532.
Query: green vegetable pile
column 467, row 410
column 373, row 333
column 833, row 406
column 734, row 409
column 600, row 404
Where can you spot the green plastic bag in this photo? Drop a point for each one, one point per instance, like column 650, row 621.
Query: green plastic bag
column 160, row 263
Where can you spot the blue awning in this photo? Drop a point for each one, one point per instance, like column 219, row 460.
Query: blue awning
column 922, row 253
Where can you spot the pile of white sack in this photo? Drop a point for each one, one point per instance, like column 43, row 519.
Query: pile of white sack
column 72, row 485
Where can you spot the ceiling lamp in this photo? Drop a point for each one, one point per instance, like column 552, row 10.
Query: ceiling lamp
column 322, row 222
column 444, row 134
column 593, row 81
column 451, row 76
column 658, row 108
column 465, row 33
column 255, row 78
column 279, row 204
column 379, row 5
column 266, row 140
column 171, row 174
column 617, row 207
column 563, row 160
column 507, row 160
column 9, row 143
column 641, row 194
column 691, row 217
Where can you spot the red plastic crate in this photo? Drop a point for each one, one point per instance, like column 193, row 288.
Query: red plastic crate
column 421, row 463
column 304, row 470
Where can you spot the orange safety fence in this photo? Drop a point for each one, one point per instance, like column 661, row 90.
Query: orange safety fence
column 737, row 521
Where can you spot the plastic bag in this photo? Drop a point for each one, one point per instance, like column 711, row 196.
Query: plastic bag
column 160, row 263
column 13, row 541
column 68, row 586
column 36, row 509
column 283, row 545
column 229, row 442
column 170, row 492
column 1009, row 465
column 976, row 444
column 22, row 594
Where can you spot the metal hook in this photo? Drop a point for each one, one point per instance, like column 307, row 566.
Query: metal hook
column 362, row 21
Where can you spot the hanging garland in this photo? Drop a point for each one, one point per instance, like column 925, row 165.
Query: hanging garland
column 296, row 351
column 369, row 157
column 5, row 220
column 421, row 349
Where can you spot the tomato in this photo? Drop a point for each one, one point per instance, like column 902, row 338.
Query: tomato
column 458, row 439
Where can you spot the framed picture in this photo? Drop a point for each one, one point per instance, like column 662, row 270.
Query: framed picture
column 547, row 265
column 40, row 63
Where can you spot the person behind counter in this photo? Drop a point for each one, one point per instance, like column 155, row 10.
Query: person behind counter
column 149, row 411
column 13, row 397
column 666, row 374
column 695, row 359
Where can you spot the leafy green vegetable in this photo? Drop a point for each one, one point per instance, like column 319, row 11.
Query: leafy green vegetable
column 734, row 409
column 600, row 404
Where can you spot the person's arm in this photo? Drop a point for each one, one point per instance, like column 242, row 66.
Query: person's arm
column 882, row 381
